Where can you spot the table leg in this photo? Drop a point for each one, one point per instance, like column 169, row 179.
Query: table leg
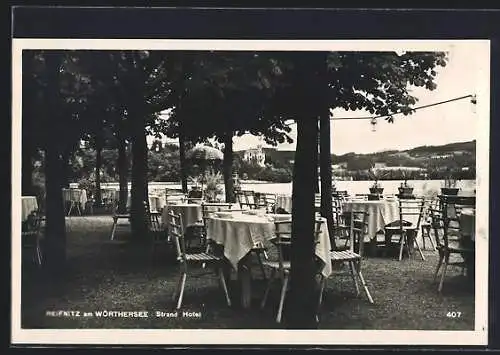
column 245, row 278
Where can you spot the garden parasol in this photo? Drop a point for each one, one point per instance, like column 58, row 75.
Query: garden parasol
column 203, row 154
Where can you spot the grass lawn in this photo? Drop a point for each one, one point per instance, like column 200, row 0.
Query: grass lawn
column 103, row 275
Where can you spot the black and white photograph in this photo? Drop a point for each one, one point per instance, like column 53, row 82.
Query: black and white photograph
column 250, row 191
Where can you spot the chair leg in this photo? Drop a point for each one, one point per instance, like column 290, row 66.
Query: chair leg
column 224, row 286
column 401, row 243
column 353, row 275
column 207, row 249
column 113, row 229
column 418, row 247
column 70, row 208
column 268, row 288
column 440, row 261
column 363, row 282
column 261, row 265
column 177, row 287
column 432, row 243
column 322, row 285
column 38, row 255
column 181, row 293
column 445, row 266
column 423, row 232
column 282, row 298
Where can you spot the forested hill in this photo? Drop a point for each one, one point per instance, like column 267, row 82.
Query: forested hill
column 453, row 155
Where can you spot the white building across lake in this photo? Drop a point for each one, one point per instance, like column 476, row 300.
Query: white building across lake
column 255, row 155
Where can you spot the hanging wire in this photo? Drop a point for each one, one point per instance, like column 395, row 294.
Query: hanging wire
column 390, row 116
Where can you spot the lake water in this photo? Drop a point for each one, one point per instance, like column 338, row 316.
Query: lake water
column 421, row 187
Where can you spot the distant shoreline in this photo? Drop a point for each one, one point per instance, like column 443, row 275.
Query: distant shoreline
column 261, row 182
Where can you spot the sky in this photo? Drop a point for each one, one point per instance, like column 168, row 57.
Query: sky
column 446, row 123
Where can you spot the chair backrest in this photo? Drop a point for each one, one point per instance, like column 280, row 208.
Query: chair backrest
column 337, row 207
column 154, row 221
column 317, row 201
column 283, row 240
column 454, row 205
column 247, row 199
column 447, row 217
column 174, row 195
column 32, row 224
column 357, row 221
column 31, row 229
column 411, row 211
column 208, row 209
column 437, row 223
column 176, row 232
column 267, row 201
column 429, row 205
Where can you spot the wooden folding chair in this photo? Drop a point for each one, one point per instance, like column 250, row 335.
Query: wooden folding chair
column 405, row 230
column 188, row 260
column 357, row 229
column 451, row 241
column 281, row 267
column 31, row 237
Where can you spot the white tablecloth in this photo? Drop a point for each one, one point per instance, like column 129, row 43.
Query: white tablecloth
column 239, row 233
column 156, row 203
column 110, row 195
column 380, row 212
column 28, row 205
column 468, row 223
column 75, row 195
column 190, row 213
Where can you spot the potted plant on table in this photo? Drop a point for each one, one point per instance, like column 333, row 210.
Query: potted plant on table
column 212, row 186
column 376, row 174
column 450, row 186
column 405, row 190
column 334, row 185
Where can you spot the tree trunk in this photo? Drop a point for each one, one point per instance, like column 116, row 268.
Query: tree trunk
column 123, row 175
column 182, row 159
column 27, row 170
column 55, row 240
column 302, row 299
column 55, row 229
column 228, row 167
column 98, row 165
column 326, row 174
column 65, row 168
column 139, row 193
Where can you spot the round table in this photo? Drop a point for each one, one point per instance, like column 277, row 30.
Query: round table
column 380, row 213
column 156, row 203
column 467, row 222
column 75, row 198
column 28, row 205
column 190, row 213
column 239, row 233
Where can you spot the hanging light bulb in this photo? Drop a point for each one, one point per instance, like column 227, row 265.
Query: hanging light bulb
column 473, row 101
column 373, row 122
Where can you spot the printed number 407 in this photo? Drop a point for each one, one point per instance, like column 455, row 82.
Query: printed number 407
column 454, row 314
